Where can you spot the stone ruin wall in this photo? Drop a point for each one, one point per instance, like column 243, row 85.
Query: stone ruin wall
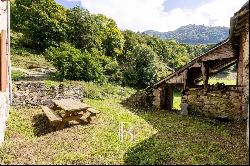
column 215, row 103
column 141, row 99
column 33, row 94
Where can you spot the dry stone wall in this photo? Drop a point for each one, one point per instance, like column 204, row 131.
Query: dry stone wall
column 36, row 93
column 214, row 103
column 141, row 99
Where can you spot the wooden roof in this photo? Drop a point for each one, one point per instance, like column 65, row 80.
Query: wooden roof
column 219, row 57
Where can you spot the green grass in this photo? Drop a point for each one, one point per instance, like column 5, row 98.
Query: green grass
column 176, row 99
column 17, row 75
column 214, row 80
column 22, row 58
column 159, row 138
column 97, row 91
column 225, row 81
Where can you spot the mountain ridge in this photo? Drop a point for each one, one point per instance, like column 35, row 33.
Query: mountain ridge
column 194, row 34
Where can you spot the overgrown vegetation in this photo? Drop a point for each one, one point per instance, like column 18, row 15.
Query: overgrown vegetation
column 97, row 91
column 159, row 138
column 90, row 47
column 17, row 75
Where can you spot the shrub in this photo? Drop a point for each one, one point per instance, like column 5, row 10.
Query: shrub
column 17, row 75
column 73, row 64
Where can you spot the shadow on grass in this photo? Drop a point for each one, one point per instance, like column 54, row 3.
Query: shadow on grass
column 188, row 140
column 42, row 126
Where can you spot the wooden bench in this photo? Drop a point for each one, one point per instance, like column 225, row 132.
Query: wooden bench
column 91, row 114
column 73, row 110
column 52, row 115
column 93, row 111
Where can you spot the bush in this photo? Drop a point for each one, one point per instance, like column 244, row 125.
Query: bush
column 17, row 75
column 73, row 64
column 142, row 70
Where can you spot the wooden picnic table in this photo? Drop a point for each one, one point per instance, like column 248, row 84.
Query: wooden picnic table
column 73, row 110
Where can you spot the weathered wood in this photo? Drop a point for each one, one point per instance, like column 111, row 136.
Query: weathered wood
column 52, row 115
column 93, row 111
column 205, row 74
column 195, row 65
column 224, row 51
column 85, row 115
column 169, row 97
column 185, row 75
column 240, row 69
column 71, row 105
column 74, row 117
column 176, row 80
column 3, row 62
column 222, row 67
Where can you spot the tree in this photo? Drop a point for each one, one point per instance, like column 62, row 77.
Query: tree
column 110, row 35
column 142, row 70
column 82, row 29
column 43, row 22
column 73, row 64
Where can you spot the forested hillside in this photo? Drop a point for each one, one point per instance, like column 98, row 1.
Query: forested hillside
column 194, row 34
column 90, row 47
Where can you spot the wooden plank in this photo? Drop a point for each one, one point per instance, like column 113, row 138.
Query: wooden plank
column 93, row 111
column 74, row 117
column 71, row 105
column 52, row 116
column 3, row 62
column 85, row 115
column 224, row 51
column 195, row 65
column 185, row 75
column 169, row 97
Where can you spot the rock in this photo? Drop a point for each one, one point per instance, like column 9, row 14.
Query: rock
column 184, row 109
column 36, row 93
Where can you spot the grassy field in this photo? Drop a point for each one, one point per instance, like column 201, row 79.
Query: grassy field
column 22, row 58
column 158, row 138
column 219, row 80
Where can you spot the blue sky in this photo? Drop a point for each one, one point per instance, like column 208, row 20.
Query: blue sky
column 68, row 4
column 189, row 4
column 161, row 15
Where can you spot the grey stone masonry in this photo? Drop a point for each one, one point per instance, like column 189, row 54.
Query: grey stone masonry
column 33, row 94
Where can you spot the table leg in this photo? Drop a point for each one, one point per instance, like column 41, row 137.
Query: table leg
column 61, row 125
column 63, row 122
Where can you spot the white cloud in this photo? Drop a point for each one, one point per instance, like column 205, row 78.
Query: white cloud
column 141, row 15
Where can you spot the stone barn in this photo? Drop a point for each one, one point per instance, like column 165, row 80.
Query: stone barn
column 216, row 101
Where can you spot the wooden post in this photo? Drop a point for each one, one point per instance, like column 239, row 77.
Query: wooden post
column 205, row 74
column 3, row 62
column 185, row 79
column 240, row 69
column 169, row 97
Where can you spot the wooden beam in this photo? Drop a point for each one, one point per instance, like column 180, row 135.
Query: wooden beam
column 3, row 62
column 197, row 64
column 224, row 51
column 185, row 75
column 205, row 74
